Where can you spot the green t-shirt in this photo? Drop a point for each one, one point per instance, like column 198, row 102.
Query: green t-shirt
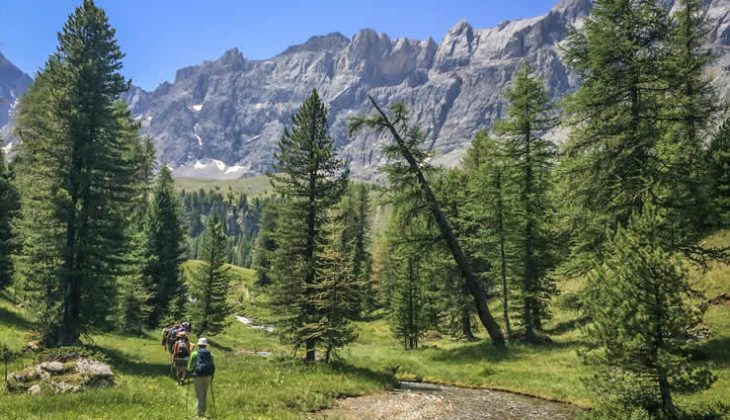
column 194, row 359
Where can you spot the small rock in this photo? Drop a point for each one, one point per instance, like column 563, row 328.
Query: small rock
column 34, row 390
column 54, row 368
column 63, row 387
column 93, row 369
column 33, row 346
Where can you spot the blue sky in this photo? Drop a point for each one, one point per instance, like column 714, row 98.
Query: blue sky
column 160, row 36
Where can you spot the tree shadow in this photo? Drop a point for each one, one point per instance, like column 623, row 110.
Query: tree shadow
column 221, row 347
column 566, row 326
column 123, row 363
column 482, row 351
column 376, row 376
column 716, row 350
column 11, row 318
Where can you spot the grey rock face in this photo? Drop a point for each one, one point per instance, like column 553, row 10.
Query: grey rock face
column 13, row 84
column 223, row 118
column 233, row 110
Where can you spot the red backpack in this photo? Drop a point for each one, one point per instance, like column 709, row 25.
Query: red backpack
column 182, row 349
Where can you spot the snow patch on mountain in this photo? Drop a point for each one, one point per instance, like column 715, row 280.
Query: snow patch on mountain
column 212, row 169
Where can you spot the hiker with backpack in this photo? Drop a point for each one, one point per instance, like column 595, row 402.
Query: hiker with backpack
column 166, row 334
column 202, row 367
column 172, row 337
column 180, row 356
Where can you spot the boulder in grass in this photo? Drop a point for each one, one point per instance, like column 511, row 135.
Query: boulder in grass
column 94, row 372
column 57, row 377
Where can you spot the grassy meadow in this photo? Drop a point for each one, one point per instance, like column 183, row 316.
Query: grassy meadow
column 282, row 386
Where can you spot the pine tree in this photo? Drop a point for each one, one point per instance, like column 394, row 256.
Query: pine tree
column 133, row 295
column 718, row 158
column 407, row 308
column 693, row 106
column 165, row 249
column 77, row 181
column 265, row 244
column 620, row 55
column 490, row 204
column 642, row 312
column 209, row 285
column 531, row 157
column 9, row 208
column 313, row 181
column 336, row 296
column 354, row 211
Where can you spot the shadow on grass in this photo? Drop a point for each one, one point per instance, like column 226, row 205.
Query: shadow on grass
column 126, row 365
column 10, row 318
column 566, row 326
column 387, row 378
column 482, row 351
column 716, row 350
column 221, row 347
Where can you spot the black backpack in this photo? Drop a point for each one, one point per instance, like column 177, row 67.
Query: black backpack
column 204, row 364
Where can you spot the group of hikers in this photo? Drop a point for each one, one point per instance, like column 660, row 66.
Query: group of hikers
column 188, row 362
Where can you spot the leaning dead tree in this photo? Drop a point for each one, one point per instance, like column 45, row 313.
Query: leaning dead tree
column 404, row 149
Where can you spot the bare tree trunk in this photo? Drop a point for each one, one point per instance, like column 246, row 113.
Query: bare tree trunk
column 503, row 258
column 472, row 281
column 466, row 317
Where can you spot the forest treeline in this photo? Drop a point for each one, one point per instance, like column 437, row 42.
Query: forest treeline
column 616, row 184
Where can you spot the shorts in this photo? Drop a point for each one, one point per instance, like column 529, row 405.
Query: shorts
column 182, row 362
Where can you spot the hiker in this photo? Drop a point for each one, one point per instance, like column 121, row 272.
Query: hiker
column 172, row 337
column 202, row 368
column 166, row 334
column 180, row 356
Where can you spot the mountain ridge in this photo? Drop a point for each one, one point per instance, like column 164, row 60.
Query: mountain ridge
column 228, row 113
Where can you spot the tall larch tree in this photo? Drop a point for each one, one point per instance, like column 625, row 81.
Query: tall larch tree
column 165, row 251
column 9, row 208
column 718, row 163
column 337, row 295
column 694, row 107
column 75, row 178
column 313, row 180
column 210, row 283
column 620, row 55
column 530, row 156
column 490, row 204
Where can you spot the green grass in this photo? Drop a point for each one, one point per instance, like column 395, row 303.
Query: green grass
column 246, row 386
column 253, row 186
column 551, row 371
column 282, row 386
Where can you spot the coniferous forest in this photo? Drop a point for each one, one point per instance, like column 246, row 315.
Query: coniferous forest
column 579, row 252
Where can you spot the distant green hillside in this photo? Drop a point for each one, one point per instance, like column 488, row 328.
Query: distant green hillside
column 254, row 186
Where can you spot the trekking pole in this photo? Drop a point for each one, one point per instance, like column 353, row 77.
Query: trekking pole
column 187, row 398
column 212, row 394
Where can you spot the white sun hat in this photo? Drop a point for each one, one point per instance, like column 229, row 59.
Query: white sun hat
column 203, row 342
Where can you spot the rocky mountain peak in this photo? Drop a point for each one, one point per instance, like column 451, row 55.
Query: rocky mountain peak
column 331, row 42
column 232, row 60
